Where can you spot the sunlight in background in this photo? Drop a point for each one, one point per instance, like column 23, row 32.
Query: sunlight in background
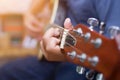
column 14, row 6
column 12, row 30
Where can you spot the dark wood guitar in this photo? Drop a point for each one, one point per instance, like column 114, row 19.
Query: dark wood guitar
column 88, row 48
column 84, row 46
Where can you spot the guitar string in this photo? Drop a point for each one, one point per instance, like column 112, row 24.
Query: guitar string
column 79, row 37
column 76, row 49
column 73, row 47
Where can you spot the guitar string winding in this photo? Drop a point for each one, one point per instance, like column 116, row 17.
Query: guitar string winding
column 79, row 37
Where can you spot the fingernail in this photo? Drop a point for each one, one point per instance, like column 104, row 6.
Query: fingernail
column 68, row 20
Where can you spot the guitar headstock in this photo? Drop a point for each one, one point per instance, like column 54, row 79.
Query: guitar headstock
column 88, row 48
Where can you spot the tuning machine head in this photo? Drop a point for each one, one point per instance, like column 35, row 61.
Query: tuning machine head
column 97, row 42
column 113, row 31
column 93, row 60
column 72, row 54
column 100, row 76
column 80, row 70
column 102, row 27
column 90, row 74
column 92, row 22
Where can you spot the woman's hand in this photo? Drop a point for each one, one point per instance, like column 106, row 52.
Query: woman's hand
column 50, row 43
column 33, row 26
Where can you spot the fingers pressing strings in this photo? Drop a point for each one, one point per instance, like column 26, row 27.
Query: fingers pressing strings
column 57, row 32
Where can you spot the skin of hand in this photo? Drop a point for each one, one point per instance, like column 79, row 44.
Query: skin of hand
column 50, row 43
column 37, row 18
column 32, row 26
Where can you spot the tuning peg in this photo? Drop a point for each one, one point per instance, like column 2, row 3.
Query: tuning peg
column 90, row 74
column 102, row 27
column 82, row 57
column 93, row 60
column 113, row 30
column 80, row 69
column 97, row 42
column 72, row 54
column 100, row 76
column 92, row 22
column 87, row 36
column 78, row 31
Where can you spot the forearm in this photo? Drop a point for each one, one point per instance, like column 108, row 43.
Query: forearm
column 37, row 5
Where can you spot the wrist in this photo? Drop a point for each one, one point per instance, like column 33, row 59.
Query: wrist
column 41, row 56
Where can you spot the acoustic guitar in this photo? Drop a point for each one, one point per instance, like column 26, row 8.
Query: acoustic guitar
column 84, row 46
column 88, row 48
